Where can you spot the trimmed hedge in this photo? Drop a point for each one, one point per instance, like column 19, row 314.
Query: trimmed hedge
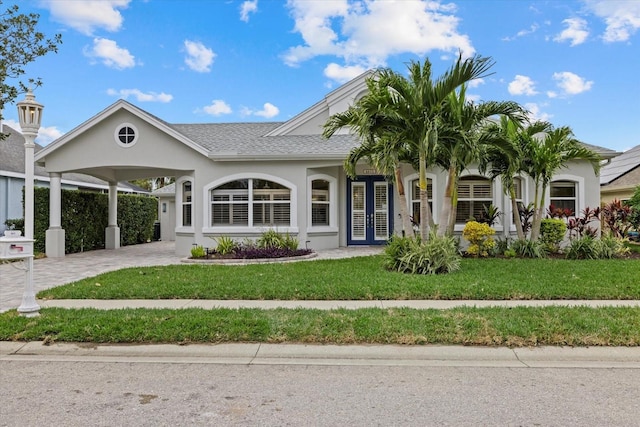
column 85, row 216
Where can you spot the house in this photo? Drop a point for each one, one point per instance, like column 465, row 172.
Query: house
column 620, row 177
column 240, row 179
column 12, row 177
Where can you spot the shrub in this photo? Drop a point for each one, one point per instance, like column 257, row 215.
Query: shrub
column 270, row 239
column 396, row 248
column 552, row 232
column 479, row 237
column 529, row 249
column 634, row 203
column 588, row 247
column 616, row 217
column 225, row 245
column 438, row 255
column 198, row 252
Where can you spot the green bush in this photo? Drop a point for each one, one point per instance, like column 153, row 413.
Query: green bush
column 273, row 239
column 85, row 218
column 225, row 245
column 438, row 255
column 529, row 249
column 396, row 248
column 198, row 252
column 634, row 203
column 588, row 247
column 552, row 232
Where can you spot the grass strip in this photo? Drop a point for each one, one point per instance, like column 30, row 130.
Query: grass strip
column 363, row 278
column 520, row 326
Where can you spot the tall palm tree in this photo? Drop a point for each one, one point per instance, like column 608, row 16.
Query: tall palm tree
column 416, row 107
column 509, row 163
column 546, row 154
column 463, row 142
column 380, row 145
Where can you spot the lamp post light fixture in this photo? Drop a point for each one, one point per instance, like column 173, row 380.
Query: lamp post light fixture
column 30, row 117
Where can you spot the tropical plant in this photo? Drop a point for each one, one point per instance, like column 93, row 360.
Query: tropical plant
column 225, row 245
column 198, row 252
column 394, row 251
column 552, row 232
column 437, row 255
column 579, row 226
column 616, row 217
column 479, row 237
column 464, row 138
column 529, row 249
column 544, row 154
column 489, row 215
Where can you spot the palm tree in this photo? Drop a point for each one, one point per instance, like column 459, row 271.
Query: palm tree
column 415, row 111
column 380, row 145
column 463, row 142
column 547, row 153
column 509, row 163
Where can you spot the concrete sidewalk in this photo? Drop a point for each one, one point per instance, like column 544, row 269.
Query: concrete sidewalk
column 351, row 355
column 327, row 305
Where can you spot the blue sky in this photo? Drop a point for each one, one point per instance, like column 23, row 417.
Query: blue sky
column 573, row 63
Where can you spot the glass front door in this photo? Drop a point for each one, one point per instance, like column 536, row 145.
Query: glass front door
column 369, row 210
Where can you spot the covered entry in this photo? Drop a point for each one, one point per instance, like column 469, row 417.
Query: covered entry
column 369, row 210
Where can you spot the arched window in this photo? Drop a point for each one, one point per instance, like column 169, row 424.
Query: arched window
column 250, row 202
column 186, row 204
column 475, row 193
column 322, row 208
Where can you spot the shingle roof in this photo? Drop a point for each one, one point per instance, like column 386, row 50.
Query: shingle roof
column 620, row 165
column 248, row 140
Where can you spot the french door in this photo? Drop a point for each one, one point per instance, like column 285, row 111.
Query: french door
column 370, row 210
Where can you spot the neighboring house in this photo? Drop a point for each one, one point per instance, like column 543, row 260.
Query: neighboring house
column 12, row 178
column 620, row 176
column 240, row 179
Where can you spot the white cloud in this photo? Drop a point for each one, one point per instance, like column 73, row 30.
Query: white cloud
column 268, row 110
column 622, row 18
column 199, row 57
column 476, row 82
column 247, row 7
column 576, row 31
column 552, row 94
column 534, row 27
column 571, row 84
column 46, row 134
column 217, row 108
column 141, row 96
column 522, row 85
column 343, row 74
column 88, row 15
column 534, row 112
column 110, row 54
column 365, row 34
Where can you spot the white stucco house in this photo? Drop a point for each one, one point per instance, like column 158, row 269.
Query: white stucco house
column 12, row 177
column 240, row 179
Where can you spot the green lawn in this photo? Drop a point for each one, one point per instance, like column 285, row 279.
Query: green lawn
column 522, row 326
column 364, row 279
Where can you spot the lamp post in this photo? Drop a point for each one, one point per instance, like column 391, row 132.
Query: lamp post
column 30, row 116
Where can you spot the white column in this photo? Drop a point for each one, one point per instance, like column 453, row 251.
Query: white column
column 112, row 233
column 54, row 241
column 28, row 184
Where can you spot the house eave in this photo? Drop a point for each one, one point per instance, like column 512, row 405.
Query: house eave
column 234, row 157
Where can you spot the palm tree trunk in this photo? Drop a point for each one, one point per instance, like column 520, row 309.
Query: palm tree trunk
column 425, row 215
column 537, row 216
column 447, row 202
column 454, row 206
column 402, row 197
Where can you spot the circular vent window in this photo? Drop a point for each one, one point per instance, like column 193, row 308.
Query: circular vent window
column 126, row 135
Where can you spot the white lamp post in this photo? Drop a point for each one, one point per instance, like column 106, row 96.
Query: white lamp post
column 30, row 116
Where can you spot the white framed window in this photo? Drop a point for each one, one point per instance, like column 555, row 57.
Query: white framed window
column 414, row 198
column 322, row 209
column 250, row 203
column 126, row 135
column 475, row 193
column 184, row 204
column 564, row 195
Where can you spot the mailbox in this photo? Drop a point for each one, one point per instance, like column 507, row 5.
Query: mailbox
column 12, row 246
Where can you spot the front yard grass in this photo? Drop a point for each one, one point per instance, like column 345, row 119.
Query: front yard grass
column 521, row 326
column 363, row 278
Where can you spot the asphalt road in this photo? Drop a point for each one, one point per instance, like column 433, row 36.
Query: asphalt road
column 88, row 393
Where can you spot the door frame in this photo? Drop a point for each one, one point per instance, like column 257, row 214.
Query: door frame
column 369, row 182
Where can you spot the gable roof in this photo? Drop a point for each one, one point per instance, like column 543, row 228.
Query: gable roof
column 620, row 165
column 12, row 164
